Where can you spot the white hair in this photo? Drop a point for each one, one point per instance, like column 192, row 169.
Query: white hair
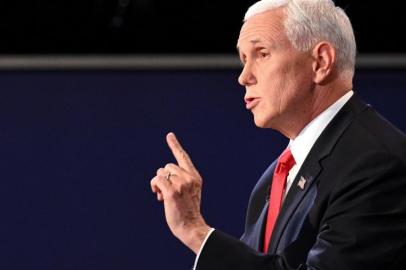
column 308, row 22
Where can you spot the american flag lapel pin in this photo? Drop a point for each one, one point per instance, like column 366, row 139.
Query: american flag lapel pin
column 302, row 183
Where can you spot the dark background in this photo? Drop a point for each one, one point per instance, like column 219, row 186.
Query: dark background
column 161, row 26
column 78, row 149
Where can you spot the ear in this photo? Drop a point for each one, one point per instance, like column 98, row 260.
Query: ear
column 324, row 55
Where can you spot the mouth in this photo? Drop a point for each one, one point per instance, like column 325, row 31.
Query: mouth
column 251, row 102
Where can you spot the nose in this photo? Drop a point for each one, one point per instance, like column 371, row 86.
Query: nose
column 247, row 76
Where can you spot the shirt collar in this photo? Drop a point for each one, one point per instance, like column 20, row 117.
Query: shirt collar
column 301, row 145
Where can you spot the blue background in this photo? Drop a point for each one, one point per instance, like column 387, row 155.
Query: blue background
column 78, row 149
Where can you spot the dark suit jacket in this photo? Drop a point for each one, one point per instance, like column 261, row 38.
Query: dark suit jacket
column 351, row 213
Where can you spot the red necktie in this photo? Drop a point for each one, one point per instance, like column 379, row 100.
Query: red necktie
column 285, row 163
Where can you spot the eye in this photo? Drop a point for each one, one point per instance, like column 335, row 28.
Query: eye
column 263, row 54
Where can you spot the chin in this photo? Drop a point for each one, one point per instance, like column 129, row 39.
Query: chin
column 262, row 123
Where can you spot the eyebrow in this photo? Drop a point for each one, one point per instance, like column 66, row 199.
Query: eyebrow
column 253, row 41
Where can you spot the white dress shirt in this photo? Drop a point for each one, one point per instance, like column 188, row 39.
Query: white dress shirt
column 302, row 144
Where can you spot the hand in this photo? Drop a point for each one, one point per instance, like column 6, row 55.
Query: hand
column 179, row 186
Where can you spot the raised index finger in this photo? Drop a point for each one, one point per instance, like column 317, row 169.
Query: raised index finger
column 179, row 153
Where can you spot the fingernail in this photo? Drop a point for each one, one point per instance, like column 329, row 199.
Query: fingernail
column 171, row 134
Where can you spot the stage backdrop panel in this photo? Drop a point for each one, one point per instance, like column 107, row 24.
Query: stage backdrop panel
column 78, row 149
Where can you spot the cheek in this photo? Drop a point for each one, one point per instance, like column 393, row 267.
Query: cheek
column 275, row 87
column 294, row 81
column 272, row 79
column 279, row 84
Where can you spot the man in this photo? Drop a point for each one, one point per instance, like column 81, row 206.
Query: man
column 335, row 199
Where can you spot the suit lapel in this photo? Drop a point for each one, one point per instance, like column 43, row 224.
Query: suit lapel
column 258, row 240
column 257, row 210
column 293, row 198
column 311, row 168
column 264, row 192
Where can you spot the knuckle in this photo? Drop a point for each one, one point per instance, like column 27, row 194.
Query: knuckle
column 153, row 180
column 193, row 179
column 190, row 185
column 160, row 171
column 154, row 183
column 169, row 165
column 185, row 155
column 188, row 179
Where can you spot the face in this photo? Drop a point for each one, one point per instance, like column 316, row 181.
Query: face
column 277, row 77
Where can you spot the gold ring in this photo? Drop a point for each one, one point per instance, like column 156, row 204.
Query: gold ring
column 168, row 177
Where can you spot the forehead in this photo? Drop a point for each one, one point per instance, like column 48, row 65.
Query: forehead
column 266, row 27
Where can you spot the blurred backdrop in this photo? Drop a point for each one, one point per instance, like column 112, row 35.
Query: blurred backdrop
column 80, row 137
column 159, row 26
